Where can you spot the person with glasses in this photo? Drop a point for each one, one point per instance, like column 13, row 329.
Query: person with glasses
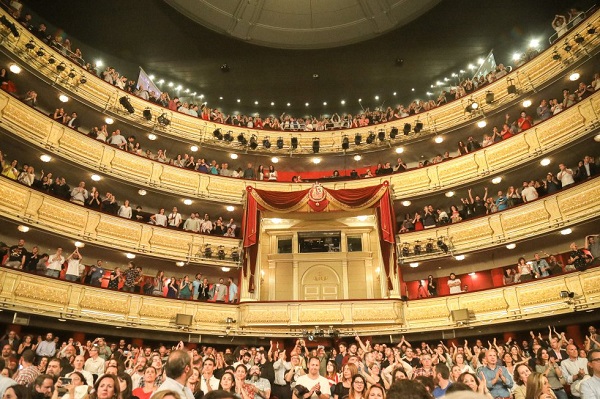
column 590, row 388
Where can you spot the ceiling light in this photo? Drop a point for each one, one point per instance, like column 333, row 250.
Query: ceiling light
column 63, row 98
column 180, row 264
column 142, row 192
column 360, row 99
column 376, row 97
column 276, row 220
column 534, row 43
column 109, row 120
column 288, row 104
column 597, row 138
column 472, row 274
column 574, row 76
column 230, row 208
column 96, row 177
column 161, row 81
column 275, row 160
column 471, row 66
column 406, row 203
column 226, row 269
column 255, row 102
column 170, row 84
column 362, row 218
column 439, row 139
column 343, row 102
column 459, row 257
column 238, row 100
column 449, row 194
column 152, row 136
column 545, row 162
column 527, row 103
column 187, row 201
column 62, row 320
column 414, row 264
column 316, row 160
column 516, row 56
column 511, row 246
column 151, row 77
column 14, row 68
column 497, row 180
column 45, row 158
column 79, row 244
column 413, row 89
column 194, row 148
column 306, row 104
column 99, row 63
column 480, row 61
column 399, row 150
column 23, row 229
column 272, row 103
column 357, row 157
column 566, row 231
column 482, row 123
column 130, row 255
column 233, row 156
column 324, row 102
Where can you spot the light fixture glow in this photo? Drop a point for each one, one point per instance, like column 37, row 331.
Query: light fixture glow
column 170, row 84
column 238, row 100
column 14, row 68
column 516, row 56
column 566, row 231
column 276, row 220
column 399, row 150
column 362, row 218
column 597, row 138
column 574, row 76
column 152, row 137
column 23, row 229
column 545, row 162
column 343, row 102
column 459, row 257
column 79, row 244
column 45, row 158
column 226, row 269
column 275, row 160
column 130, row 255
column 316, row 160
column 230, row 208
column 194, row 148
column 180, row 264
column 142, row 192
column 497, row 180
column 272, row 103
column 288, row 104
column 480, row 61
column 187, row 201
column 511, row 246
column 534, row 43
column 357, row 157
column 376, row 97
column 306, row 104
column 255, row 102
column 151, row 77
column 472, row 274
column 414, row 264
column 527, row 103
column 449, row 194
column 324, row 102
column 62, row 320
column 109, row 120
column 99, row 63
column 406, row 203
column 96, row 177
column 482, row 123
column 233, row 156
column 439, row 139
column 63, row 98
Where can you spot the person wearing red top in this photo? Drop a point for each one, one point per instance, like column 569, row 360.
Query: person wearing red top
column 506, row 133
column 525, row 121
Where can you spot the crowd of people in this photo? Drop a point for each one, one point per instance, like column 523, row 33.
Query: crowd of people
column 552, row 366
column 475, row 205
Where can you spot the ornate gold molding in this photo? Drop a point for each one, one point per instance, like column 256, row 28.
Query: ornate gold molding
column 38, row 129
column 500, row 305
column 105, row 96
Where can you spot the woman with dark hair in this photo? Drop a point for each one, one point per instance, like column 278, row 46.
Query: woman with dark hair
column 193, row 383
column 227, row 384
column 125, row 386
column 524, row 270
column 106, row 387
column 358, row 388
column 462, row 148
column 473, row 382
column 77, row 389
column 548, row 366
column 149, row 384
column 331, row 373
column 522, row 373
column 16, row 392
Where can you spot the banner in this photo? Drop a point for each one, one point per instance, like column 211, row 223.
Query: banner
column 145, row 81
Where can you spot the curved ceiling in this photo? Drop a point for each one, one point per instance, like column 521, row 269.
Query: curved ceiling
column 302, row 24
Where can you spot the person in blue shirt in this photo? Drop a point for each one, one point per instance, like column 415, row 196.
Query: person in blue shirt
column 196, row 286
column 501, row 201
column 498, row 379
column 441, row 378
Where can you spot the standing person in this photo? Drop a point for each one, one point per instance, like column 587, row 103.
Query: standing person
column 260, row 386
column 233, row 292
column 574, row 370
column 591, row 387
column 74, row 266
column 178, row 369
column 149, row 387
column 317, row 385
column 196, row 286
column 55, row 263
column 498, row 380
column 95, row 275
column 565, row 175
column 431, row 286
column 185, row 289
column 281, row 388
column 454, row 284
column 219, row 291
column 549, row 366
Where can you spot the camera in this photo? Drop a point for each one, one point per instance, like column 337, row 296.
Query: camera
column 66, row 381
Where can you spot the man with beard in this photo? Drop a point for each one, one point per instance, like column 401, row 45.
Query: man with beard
column 261, row 386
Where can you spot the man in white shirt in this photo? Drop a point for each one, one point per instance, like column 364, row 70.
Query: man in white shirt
column 590, row 388
column 178, row 369
column 454, row 284
column 117, row 140
column 281, row 387
column 55, row 263
column 206, row 225
column 95, row 364
column 565, row 175
column 174, row 218
column 233, row 291
column 47, row 347
column 529, row 192
column 208, row 382
column 192, row 224
column 78, row 365
column 574, row 370
column 317, row 385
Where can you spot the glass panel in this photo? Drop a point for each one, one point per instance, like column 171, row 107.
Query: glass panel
column 320, row 241
column 354, row 243
column 284, row 245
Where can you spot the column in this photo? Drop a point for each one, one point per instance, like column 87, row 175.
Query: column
column 296, row 280
column 271, row 278
column 345, row 282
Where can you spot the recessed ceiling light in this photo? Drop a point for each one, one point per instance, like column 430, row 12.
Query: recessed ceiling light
column 399, row 150
column 545, row 162
column 255, row 102
column 226, row 269
column 96, row 177
column 480, row 61
column 161, row 81
column 316, row 160
column 497, row 180
column 527, row 103
column 275, row 220
column 45, row 158
column 511, row 246
column 63, row 98
column 357, row 157
column 406, row 203
column 152, row 136
column 151, row 77
column 459, row 257
column 187, row 201
column 194, row 148
column 306, row 104
column 566, row 231
column 272, row 103
column 220, row 97
column 376, row 97
column 449, row 194
column 79, row 244
column 142, row 192
column 482, row 123
column 439, row 139
column 238, row 100
column 343, row 102
column 23, row 229
column 180, row 264
column 14, row 68
column 62, row 320
column 516, row 56
column 230, row 208
column 597, row 138
column 574, row 76
column 109, row 120
column 233, row 156
column 288, row 104
column 362, row 218
column 472, row 274
column 275, row 160
column 413, row 89
column 414, row 264
column 130, row 255
column 118, row 327
column 99, row 63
